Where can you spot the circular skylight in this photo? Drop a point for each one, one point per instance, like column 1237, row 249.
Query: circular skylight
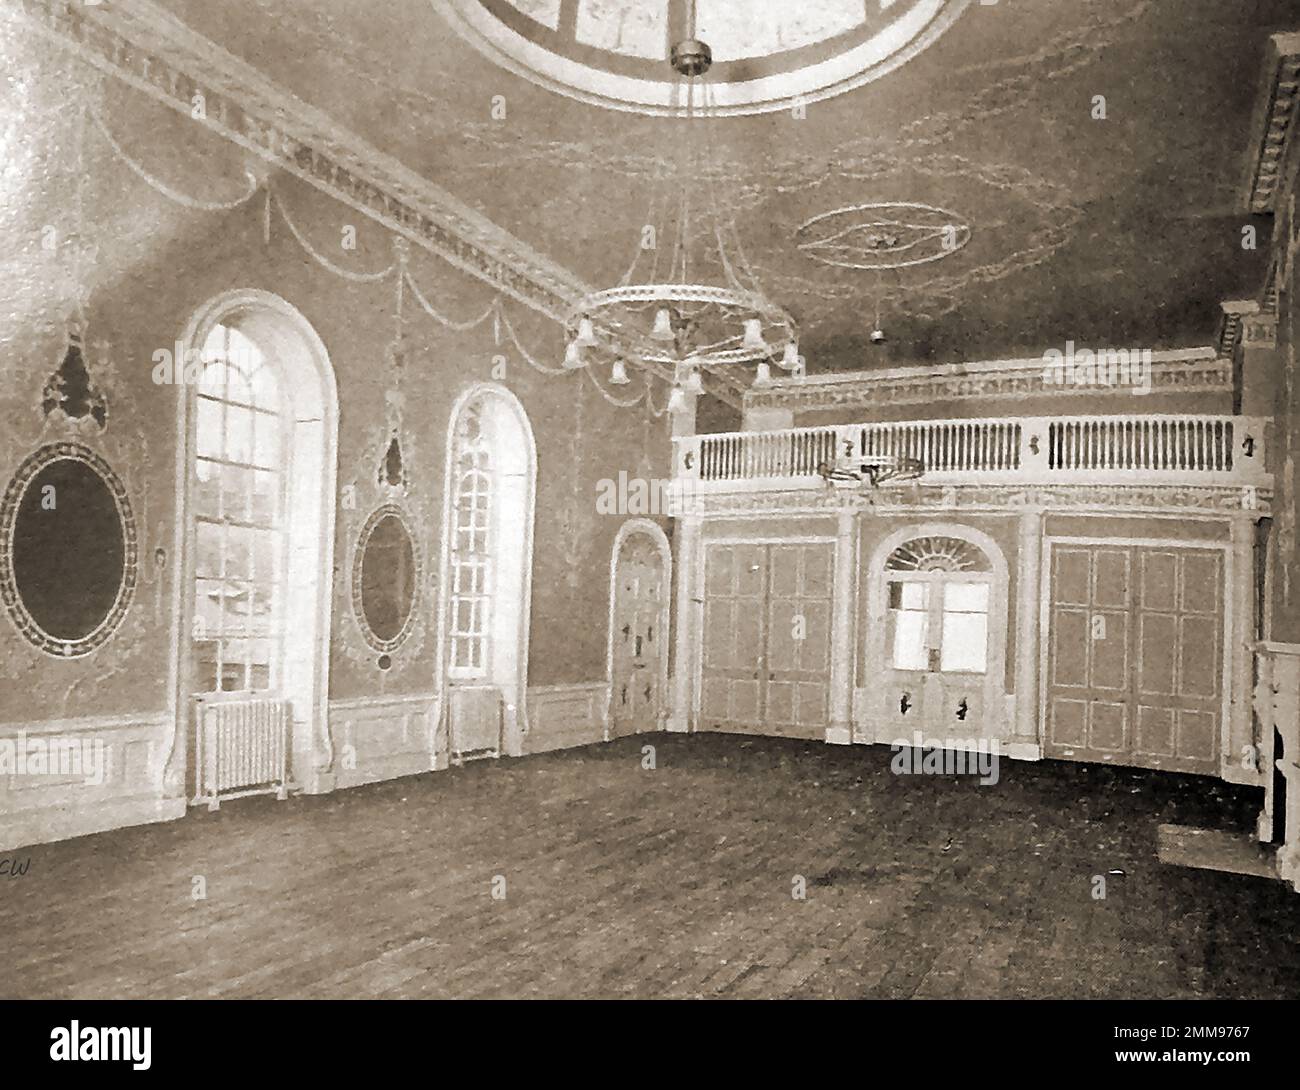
column 768, row 54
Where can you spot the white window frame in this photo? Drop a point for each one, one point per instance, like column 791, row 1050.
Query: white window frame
column 222, row 580
column 476, row 638
column 936, row 610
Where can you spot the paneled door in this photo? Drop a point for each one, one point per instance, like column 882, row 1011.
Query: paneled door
column 939, row 631
column 767, row 616
column 1135, row 666
column 640, row 639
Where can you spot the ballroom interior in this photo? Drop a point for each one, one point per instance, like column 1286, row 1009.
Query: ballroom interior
column 594, row 498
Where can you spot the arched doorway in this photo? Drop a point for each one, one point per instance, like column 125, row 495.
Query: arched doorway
column 937, row 608
column 640, row 575
column 256, row 488
column 487, row 572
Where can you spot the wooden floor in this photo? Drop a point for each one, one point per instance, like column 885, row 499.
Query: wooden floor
column 673, row 882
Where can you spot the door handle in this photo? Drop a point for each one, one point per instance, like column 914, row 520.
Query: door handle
column 771, row 677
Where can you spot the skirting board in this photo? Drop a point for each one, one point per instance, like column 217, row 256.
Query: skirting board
column 35, row 827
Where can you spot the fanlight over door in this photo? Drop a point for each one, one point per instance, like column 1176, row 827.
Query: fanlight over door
column 940, row 623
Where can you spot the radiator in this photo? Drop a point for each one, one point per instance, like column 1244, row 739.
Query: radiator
column 475, row 723
column 241, row 748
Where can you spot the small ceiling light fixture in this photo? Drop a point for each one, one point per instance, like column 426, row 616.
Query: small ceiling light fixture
column 586, row 337
column 618, row 374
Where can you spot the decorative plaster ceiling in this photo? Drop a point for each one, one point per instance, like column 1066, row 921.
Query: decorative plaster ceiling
column 767, row 54
column 1123, row 232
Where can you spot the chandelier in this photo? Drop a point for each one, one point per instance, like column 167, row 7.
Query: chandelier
column 672, row 317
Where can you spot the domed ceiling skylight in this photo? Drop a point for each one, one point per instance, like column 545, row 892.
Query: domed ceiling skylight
column 768, row 54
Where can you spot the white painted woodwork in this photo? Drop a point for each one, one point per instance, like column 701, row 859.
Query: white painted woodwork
column 130, row 752
column 1151, row 449
column 1240, row 750
column 1028, row 597
column 1277, row 704
column 686, row 617
column 561, row 716
column 839, row 730
column 937, row 703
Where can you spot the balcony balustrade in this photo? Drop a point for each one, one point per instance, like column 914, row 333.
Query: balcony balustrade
column 1173, row 450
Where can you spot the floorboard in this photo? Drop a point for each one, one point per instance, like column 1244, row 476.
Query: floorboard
column 677, row 881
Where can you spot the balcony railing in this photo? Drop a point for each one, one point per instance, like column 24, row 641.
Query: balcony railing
column 1152, row 449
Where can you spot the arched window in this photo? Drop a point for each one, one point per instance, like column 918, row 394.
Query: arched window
column 471, row 556
column 238, row 508
column 487, row 565
column 939, row 596
column 257, row 489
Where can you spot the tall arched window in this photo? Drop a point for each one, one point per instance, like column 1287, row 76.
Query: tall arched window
column 238, row 508
column 471, row 545
column 256, row 537
column 487, row 557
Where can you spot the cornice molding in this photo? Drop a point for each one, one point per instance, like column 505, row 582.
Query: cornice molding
column 157, row 54
column 1274, row 125
column 1234, row 312
column 152, row 51
column 1191, row 370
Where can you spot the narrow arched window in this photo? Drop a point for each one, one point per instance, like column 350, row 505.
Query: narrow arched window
column 471, row 554
column 242, row 434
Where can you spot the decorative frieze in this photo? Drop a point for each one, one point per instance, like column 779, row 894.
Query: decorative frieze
column 1191, row 500
column 1200, row 370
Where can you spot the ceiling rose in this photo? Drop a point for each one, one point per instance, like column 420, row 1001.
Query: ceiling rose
column 613, row 52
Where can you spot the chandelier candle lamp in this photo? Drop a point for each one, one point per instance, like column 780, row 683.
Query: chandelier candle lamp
column 694, row 326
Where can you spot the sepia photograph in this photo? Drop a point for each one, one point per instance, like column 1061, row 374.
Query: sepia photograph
column 648, row 500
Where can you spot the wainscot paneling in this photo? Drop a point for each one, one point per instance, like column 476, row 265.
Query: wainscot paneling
column 66, row 778
column 383, row 737
column 562, row 716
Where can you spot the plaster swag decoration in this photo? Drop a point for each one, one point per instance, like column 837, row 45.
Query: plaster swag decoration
column 77, row 436
column 386, row 522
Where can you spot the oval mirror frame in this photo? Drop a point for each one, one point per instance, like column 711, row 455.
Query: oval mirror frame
column 385, row 642
column 96, row 634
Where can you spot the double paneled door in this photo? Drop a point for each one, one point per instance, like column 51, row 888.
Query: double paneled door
column 1135, row 655
column 767, row 618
